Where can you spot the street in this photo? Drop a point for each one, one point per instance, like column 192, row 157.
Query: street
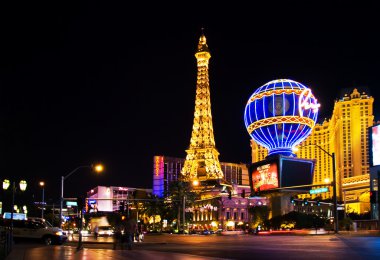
column 213, row 247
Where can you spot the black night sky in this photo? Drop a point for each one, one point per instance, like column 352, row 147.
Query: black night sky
column 113, row 82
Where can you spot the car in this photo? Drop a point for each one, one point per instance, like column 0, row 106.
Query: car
column 206, row 232
column 105, row 231
column 36, row 230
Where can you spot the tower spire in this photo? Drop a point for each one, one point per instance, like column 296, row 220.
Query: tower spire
column 202, row 161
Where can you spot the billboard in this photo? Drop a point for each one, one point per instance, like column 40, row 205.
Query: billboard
column 265, row 176
column 374, row 137
column 280, row 172
column 296, row 172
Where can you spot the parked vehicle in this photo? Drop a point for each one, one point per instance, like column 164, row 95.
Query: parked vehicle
column 38, row 230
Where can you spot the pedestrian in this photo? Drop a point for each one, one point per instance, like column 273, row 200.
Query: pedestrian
column 129, row 231
column 96, row 232
column 117, row 237
column 140, row 232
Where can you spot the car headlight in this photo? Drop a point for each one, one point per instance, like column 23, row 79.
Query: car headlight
column 58, row 233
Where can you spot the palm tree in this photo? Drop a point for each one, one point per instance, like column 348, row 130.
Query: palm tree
column 154, row 207
column 180, row 193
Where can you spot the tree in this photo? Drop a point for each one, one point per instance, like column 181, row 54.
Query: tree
column 178, row 190
column 259, row 215
column 154, row 207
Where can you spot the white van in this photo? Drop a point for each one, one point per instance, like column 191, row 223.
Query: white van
column 31, row 229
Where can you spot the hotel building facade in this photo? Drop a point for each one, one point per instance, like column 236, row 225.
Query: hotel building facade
column 213, row 210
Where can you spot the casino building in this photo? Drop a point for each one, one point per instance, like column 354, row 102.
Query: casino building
column 168, row 169
column 346, row 135
column 213, row 208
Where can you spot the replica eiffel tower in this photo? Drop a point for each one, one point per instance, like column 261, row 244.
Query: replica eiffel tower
column 202, row 163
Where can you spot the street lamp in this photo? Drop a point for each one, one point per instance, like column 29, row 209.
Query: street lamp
column 333, row 183
column 42, row 184
column 97, row 168
column 6, row 184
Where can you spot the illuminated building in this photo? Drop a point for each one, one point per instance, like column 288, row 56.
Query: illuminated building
column 167, row 169
column 213, row 208
column 346, row 135
column 202, row 161
column 109, row 199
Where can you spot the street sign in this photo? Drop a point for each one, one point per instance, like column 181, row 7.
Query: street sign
column 320, row 190
column 71, row 203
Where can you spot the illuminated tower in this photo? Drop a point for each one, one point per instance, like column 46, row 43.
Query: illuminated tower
column 202, row 161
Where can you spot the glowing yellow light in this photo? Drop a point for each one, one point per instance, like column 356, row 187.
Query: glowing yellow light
column 230, row 224
column 195, row 182
column 213, row 224
column 6, row 184
column 99, row 168
column 23, row 185
column 295, row 149
column 327, row 180
column 42, row 183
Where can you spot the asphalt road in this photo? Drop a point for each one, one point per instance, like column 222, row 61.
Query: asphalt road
column 271, row 247
column 234, row 247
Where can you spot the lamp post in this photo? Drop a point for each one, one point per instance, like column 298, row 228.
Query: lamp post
column 42, row 184
column 96, row 168
column 332, row 156
column 6, row 184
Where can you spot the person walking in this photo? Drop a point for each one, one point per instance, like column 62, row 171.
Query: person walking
column 118, row 237
column 96, row 232
column 129, row 231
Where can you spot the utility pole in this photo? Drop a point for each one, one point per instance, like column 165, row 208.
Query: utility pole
column 334, row 194
column 184, row 215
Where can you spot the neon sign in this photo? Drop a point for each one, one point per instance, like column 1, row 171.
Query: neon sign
column 304, row 101
column 281, row 114
column 158, row 165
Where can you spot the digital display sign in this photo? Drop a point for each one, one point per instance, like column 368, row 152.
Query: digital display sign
column 375, row 145
column 265, row 177
column 296, row 172
column 281, row 172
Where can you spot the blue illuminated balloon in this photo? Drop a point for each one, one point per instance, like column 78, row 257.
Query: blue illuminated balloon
column 281, row 114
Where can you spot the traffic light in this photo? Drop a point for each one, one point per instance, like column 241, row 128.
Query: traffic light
column 229, row 194
column 243, row 194
column 292, row 199
column 305, row 202
column 318, row 203
column 373, row 196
